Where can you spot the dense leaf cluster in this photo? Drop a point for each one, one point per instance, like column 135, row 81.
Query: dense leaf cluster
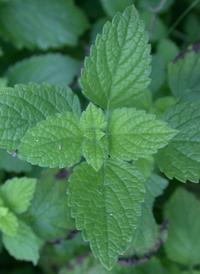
column 89, row 143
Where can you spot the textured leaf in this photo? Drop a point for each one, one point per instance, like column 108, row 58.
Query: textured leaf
column 184, row 75
column 133, row 133
column 24, row 106
column 93, row 118
column 17, row 193
column 8, row 222
column 49, row 213
column 95, row 152
column 181, row 158
column 52, row 68
column 54, row 142
column 106, row 205
column 43, row 24
column 182, row 212
column 111, row 7
column 191, row 96
column 24, row 246
column 118, row 67
column 147, row 235
column 13, row 164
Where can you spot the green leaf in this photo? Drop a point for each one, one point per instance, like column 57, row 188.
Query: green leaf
column 161, row 105
column 95, row 152
column 145, row 165
column 184, row 75
column 118, row 67
column 158, row 73
column 1, row 52
column 3, row 83
column 106, row 205
column 147, row 235
column 24, row 106
column 133, row 133
column 52, row 68
column 182, row 212
column 57, row 141
column 13, row 164
column 191, row 96
column 24, row 246
column 181, row 158
column 93, row 118
column 49, row 213
column 144, row 101
column 160, row 29
column 53, row 24
column 111, row 7
column 8, row 222
column 17, row 193
column 168, row 50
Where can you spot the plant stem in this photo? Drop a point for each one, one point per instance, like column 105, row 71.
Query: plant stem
column 180, row 18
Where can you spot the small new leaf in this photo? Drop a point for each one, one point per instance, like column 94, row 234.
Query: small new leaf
column 93, row 118
column 17, row 193
column 106, row 205
column 25, row 245
column 54, row 142
column 22, row 107
column 181, row 158
column 95, row 152
column 133, row 133
column 8, row 222
column 117, row 70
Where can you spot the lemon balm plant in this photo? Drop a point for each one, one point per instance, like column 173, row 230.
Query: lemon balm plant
column 107, row 142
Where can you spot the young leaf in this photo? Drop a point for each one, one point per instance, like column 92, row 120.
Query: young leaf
column 50, row 68
column 181, row 158
column 184, row 75
column 13, row 164
column 117, row 70
column 95, row 152
column 113, row 6
column 133, row 133
column 24, row 106
column 147, row 235
column 182, row 212
column 8, row 222
column 17, row 193
column 25, row 245
column 54, row 142
column 49, row 213
column 93, row 118
column 161, row 105
column 145, row 165
column 53, row 24
column 106, row 205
